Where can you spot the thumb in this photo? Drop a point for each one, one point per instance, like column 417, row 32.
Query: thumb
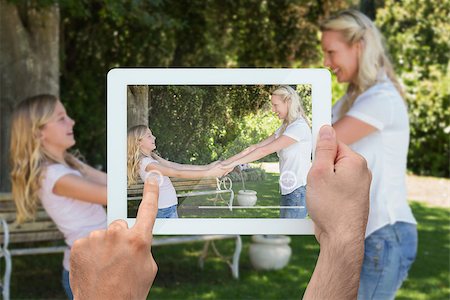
column 326, row 150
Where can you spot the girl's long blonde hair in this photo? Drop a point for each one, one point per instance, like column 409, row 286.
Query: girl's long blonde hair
column 27, row 154
column 295, row 108
column 355, row 27
column 134, row 154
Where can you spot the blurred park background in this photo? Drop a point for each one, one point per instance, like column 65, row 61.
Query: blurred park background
column 66, row 48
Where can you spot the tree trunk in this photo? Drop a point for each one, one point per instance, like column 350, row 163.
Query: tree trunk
column 29, row 63
column 137, row 112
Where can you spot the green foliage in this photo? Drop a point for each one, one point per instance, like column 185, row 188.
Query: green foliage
column 99, row 35
column 198, row 124
column 418, row 35
column 195, row 124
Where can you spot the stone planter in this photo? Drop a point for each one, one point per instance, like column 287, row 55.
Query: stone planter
column 270, row 252
column 246, row 198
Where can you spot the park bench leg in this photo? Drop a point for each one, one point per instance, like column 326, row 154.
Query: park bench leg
column 230, row 204
column 236, row 256
column 201, row 259
column 8, row 261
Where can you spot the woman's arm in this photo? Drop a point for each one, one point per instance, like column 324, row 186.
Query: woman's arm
column 248, row 150
column 215, row 171
column 80, row 188
column 178, row 166
column 260, row 152
column 350, row 130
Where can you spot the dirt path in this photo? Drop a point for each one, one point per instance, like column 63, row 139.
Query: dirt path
column 432, row 190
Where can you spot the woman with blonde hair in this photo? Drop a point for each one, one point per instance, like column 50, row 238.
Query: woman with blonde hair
column 292, row 142
column 43, row 171
column 372, row 118
column 143, row 161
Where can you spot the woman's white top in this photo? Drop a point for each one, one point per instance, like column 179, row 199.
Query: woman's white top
column 295, row 160
column 167, row 194
column 385, row 150
column 74, row 218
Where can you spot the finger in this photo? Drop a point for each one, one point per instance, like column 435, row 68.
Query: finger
column 118, row 225
column 146, row 215
column 326, row 150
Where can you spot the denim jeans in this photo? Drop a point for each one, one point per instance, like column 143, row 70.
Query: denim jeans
column 388, row 255
column 295, row 198
column 168, row 212
column 66, row 284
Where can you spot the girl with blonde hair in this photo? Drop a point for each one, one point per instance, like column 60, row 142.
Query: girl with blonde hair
column 292, row 142
column 372, row 118
column 43, row 171
column 143, row 161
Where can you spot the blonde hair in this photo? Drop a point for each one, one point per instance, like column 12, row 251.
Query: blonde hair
column 356, row 27
column 28, row 156
column 295, row 106
column 134, row 154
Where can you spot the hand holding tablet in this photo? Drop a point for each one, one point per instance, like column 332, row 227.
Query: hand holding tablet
column 113, row 263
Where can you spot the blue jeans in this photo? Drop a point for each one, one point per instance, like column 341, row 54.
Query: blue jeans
column 168, row 212
column 388, row 255
column 66, row 284
column 295, row 198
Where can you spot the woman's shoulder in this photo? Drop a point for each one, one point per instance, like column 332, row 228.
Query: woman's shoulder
column 383, row 89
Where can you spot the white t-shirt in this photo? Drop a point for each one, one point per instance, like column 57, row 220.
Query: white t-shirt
column 74, row 218
column 385, row 150
column 295, row 160
column 167, row 194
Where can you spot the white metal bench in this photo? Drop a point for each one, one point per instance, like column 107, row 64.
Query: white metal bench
column 191, row 187
column 42, row 229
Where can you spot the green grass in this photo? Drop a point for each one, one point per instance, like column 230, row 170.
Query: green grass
column 179, row 276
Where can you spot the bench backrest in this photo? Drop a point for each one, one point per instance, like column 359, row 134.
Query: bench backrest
column 41, row 229
column 181, row 186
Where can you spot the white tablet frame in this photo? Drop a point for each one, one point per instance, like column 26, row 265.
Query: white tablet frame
column 117, row 81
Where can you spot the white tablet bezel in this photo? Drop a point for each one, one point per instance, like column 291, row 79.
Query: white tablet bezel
column 117, row 81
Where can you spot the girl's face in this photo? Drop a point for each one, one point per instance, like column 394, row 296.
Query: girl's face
column 339, row 56
column 147, row 143
column 280, row 107
column 57, row 134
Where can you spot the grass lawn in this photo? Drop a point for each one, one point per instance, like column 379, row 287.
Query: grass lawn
column 179, row 276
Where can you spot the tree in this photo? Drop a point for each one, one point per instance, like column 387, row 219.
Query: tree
column 29, row 60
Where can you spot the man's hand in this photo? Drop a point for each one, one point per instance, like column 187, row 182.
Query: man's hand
column 117, row 263
column 337, row 197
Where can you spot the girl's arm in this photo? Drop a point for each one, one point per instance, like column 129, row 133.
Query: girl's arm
column 178, row 166
column 350, row 130
column 260, row 152
column 93, row 174
column 165, row 170
column 80, row 188
column 248, row 150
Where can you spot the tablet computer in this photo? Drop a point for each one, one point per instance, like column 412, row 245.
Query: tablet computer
column 220, row 214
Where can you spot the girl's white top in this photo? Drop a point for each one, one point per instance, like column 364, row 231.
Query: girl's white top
column 74, row 218
column 167, row 193
column 295, row 160
column 385, row 150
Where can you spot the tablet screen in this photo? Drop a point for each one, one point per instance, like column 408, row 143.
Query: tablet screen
column 194, row 117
